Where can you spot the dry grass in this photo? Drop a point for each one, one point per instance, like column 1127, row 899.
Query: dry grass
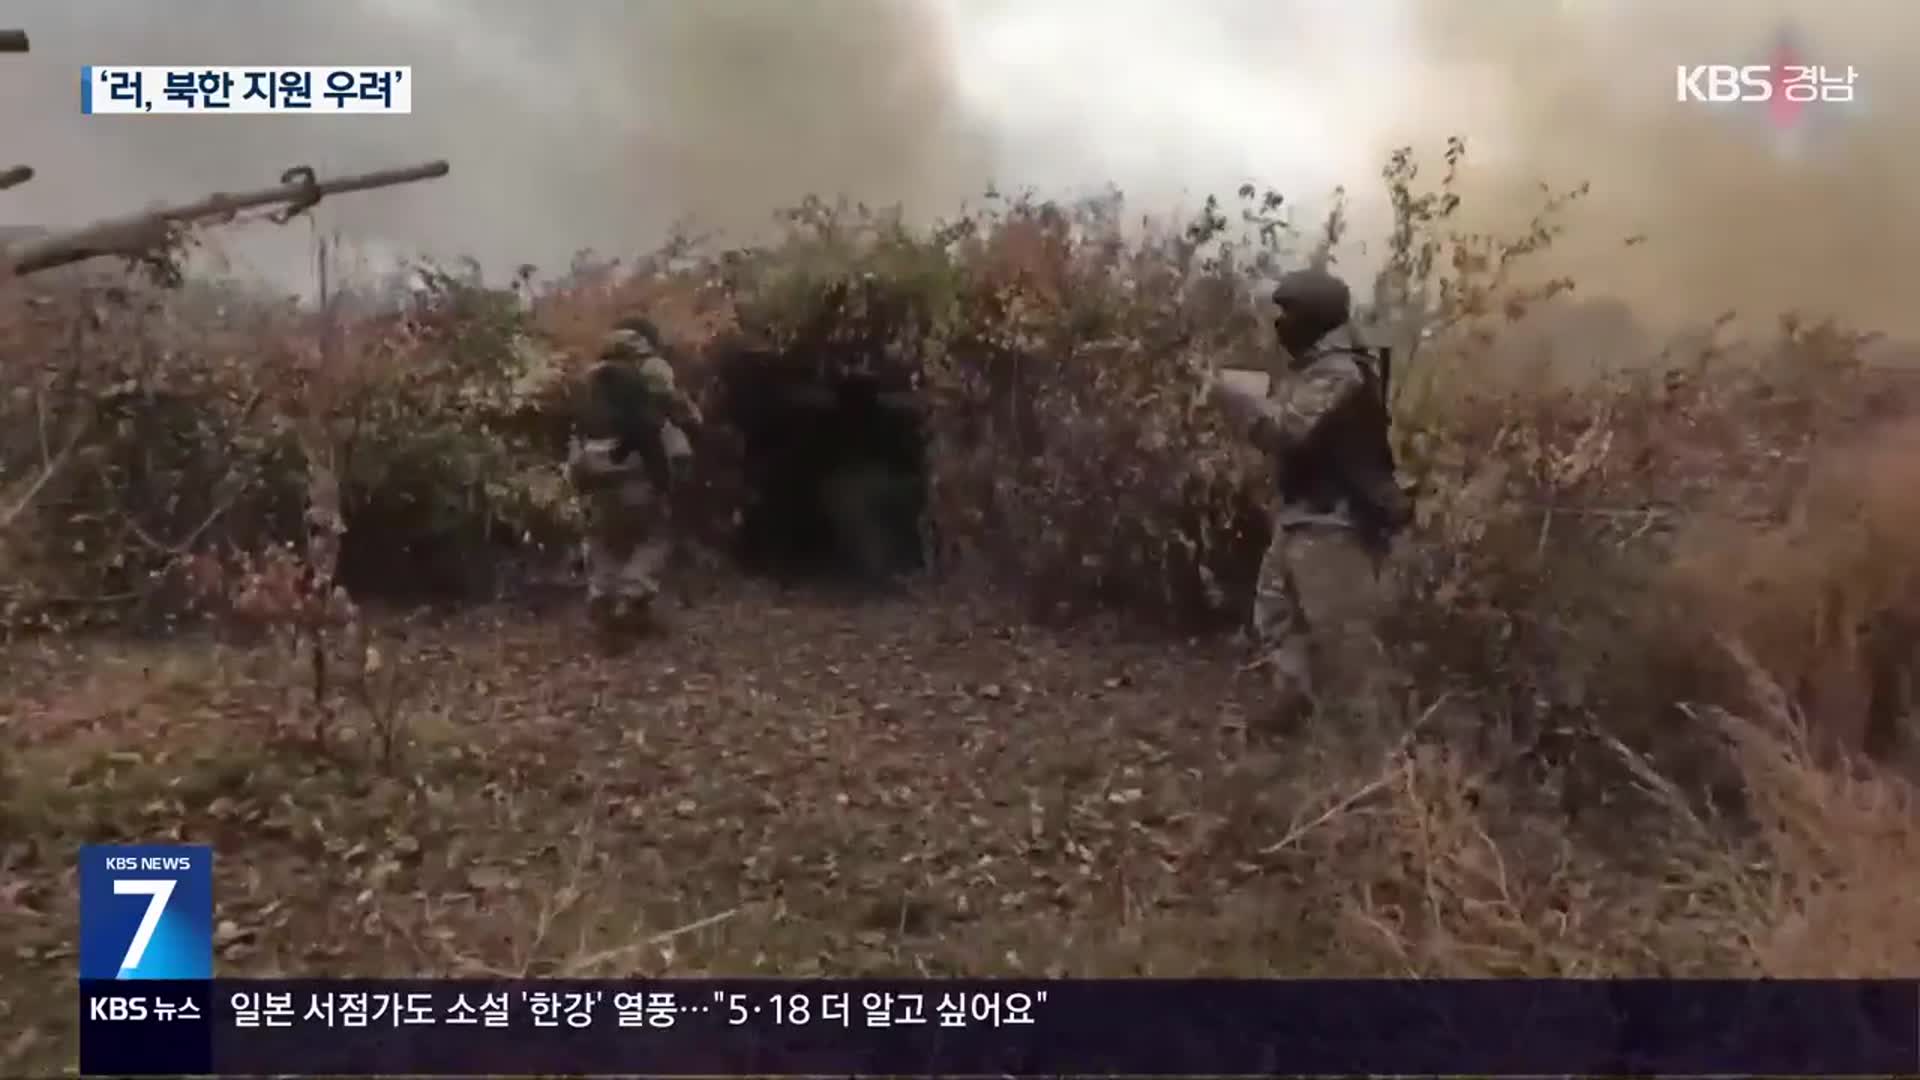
column 1659, row 622
column 1826, row 601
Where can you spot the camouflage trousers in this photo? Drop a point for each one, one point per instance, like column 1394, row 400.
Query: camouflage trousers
column 627, row 548
column 624, row 568
column 1317, row 603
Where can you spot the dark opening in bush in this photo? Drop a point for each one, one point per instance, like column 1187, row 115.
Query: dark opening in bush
column 391, row 563
column 834, row 468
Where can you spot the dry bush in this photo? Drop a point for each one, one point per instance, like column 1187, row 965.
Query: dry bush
column 1828, row 600
column 150, row 427
column 445, row 449
column 139, row 430
column 1838, row 894
column 1074, row 456
column 1448, row 869
column 682, row 292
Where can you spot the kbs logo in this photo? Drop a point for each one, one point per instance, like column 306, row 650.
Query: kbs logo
column 146, row 911
column 117, row 1007
column 1725, row 82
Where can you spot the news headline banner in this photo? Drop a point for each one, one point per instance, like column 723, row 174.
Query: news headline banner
column 106, row 90
column 770, row 1027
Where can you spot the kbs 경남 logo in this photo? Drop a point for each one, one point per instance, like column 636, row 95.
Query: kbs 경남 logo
column 146, row 911
column 1722, row 83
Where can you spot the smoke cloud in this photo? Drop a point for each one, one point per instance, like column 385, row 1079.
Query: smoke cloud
column 600, row 123
column 593, row 123
column 1822, row 216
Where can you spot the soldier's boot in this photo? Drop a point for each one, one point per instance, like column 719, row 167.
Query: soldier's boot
column 625, row 623
column 603, row 615
column 1293, row 705
column 644, row 616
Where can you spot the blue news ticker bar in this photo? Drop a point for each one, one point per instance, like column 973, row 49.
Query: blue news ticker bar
column 86, row 90
column 1142, row 1027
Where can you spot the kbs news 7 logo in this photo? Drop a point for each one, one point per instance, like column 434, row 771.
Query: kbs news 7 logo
column 146, row 911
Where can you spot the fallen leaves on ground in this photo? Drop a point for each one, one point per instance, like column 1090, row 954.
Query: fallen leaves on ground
column 916, row 786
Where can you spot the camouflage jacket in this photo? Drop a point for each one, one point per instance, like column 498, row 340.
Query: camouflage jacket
column 648, row 387
column 644, row 414
column 1325, row 426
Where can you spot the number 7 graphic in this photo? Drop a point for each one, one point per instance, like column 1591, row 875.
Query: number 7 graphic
column 159, row 891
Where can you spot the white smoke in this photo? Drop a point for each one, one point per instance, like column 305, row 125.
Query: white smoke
column 603, row 122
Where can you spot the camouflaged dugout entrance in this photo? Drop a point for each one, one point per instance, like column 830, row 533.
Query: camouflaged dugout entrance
column 833, row 466
column 831, row 440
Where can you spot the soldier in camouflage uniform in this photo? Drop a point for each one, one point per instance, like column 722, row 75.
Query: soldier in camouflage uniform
column 635, row 422
column 1324, row 421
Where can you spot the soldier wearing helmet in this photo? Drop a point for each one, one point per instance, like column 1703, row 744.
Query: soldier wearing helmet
column 634, row 421
column 1324, row 423
column 636, row 340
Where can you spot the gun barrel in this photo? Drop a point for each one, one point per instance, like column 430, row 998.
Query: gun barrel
column 134, row 233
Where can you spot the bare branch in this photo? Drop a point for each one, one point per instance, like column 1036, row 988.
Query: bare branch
column 13, row 41
column 15, row 176
column 143, row 234
column 48, row 470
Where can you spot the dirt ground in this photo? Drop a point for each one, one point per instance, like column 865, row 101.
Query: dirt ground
column 790, row 783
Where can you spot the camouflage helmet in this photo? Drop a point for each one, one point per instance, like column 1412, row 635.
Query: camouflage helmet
column 1317, row 301
column 624, row 343
column 643, row 326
